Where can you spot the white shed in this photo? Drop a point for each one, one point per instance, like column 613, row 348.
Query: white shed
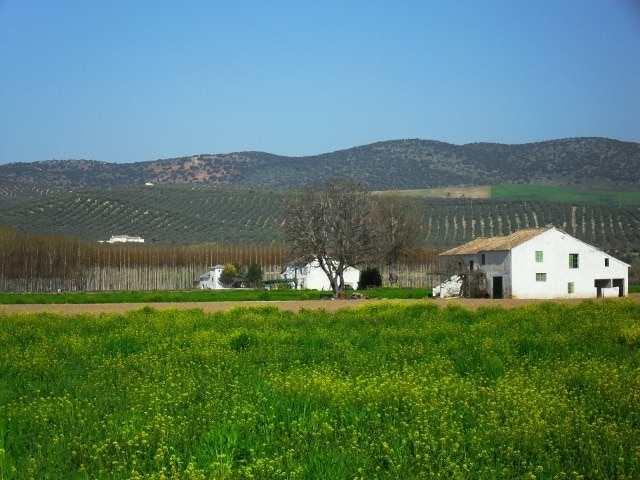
column 125, row 239
column 539, row 263
column 211, row 279
column 312, row 277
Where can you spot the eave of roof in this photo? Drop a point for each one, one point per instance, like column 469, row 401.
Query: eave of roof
column 484, row 244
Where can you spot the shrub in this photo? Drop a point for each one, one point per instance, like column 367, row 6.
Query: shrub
column 228, row 275
column 254, row 275
column 370, row 277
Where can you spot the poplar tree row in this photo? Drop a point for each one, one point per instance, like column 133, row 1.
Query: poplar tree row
column 42, row 263
column 51, row 263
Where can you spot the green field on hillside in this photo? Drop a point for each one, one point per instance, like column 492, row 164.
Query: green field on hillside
column 385, row 391
column 560, row 194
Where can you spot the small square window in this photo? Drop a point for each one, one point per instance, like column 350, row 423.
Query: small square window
column 573, row 260
column 541, row 277
column 539, row 256
column 571, row 287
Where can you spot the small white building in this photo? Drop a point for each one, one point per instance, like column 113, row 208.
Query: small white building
column 312, row 277
column 538, row 263
column 211, row 279
column 125, row 239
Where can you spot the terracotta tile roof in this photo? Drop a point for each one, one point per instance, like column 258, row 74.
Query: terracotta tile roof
column 483, row 244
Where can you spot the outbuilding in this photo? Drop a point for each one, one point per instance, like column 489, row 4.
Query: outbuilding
column 211, row 279
column 534, row 263
column 310, row 276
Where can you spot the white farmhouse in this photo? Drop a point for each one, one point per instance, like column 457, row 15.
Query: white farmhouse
column 125, row 239
column 538, row 263
column 211, row 279
column 312, row 277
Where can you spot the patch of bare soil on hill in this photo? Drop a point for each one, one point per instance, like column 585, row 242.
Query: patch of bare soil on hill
column 295, row 306
column 448, row 192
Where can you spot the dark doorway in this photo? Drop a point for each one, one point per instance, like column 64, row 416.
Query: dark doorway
column 600, row 284
column 603, row 283
column 619, row 282
column 497, row 287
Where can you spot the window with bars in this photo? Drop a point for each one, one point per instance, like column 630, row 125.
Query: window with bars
column 541, row 277
column 539, row 256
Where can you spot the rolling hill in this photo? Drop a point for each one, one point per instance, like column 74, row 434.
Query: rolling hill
column 391, row 165
column 586, row 186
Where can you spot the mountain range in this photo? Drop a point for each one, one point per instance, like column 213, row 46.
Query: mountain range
column 585, row 162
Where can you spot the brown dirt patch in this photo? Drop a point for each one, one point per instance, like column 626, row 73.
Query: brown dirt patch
column 295, row 306
column 449, row 192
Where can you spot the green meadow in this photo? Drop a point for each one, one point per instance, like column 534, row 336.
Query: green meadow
column 560, row 194
column 384, row 391
column 230, row 295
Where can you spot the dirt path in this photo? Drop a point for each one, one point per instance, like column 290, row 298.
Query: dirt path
column 295, row 306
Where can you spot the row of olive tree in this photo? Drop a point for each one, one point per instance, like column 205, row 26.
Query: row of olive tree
column 341, row 224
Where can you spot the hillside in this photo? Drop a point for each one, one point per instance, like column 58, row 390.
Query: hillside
column 391, row 165
column 164, row 213
column 229, row 214
column 239, row 197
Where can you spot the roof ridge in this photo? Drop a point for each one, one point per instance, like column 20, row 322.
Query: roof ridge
column 500, row 242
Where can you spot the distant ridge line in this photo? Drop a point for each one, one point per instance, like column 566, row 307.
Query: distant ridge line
column 581, row 162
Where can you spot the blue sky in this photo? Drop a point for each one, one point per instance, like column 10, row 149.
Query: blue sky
column 125, row 81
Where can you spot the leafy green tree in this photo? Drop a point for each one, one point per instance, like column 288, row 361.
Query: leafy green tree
column 228, row 275
column 254, row 275
column 240, row 280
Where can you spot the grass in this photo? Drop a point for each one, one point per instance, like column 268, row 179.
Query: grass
column 558, row 194
column 382, row 391
column 234, row 295
column 239, row 295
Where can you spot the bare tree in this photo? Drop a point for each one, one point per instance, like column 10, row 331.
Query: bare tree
column 398, row 229
column 332, row 224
